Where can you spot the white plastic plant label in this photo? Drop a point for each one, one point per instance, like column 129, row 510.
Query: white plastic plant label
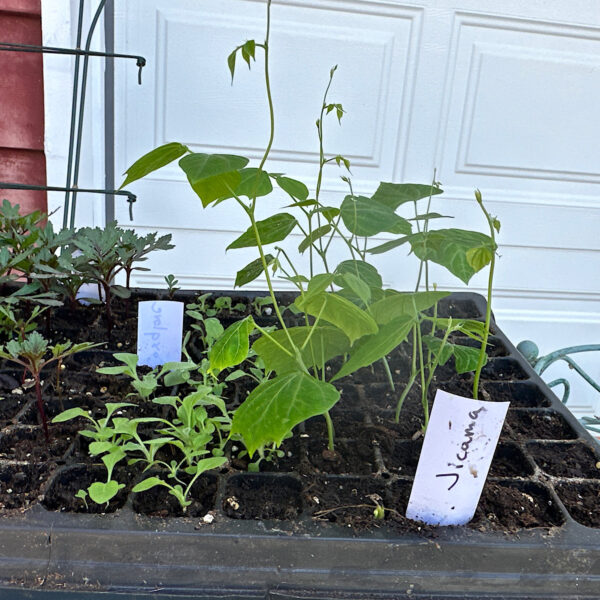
column 459, row 445
column 160, row 330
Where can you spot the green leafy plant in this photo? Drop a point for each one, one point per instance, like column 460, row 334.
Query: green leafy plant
column 30, row 354
column 348, row 315
column 133, row 249
column 172, row 285
column 148, row 383
column 101, row 262
column 19, row 234
column 109, row 435
column 14, row 322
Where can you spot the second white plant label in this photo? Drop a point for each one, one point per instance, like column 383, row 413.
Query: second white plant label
column 160, row 329
column 457, row 452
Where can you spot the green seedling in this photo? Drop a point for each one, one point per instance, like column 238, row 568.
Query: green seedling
column 171, row 285
column 112, row 437
column 12, row 322
column 182, row 489
column 30, row 354
column 226, row 303
column 134, row 249
column 146, row 385
column 101, row 262
column 259, row 303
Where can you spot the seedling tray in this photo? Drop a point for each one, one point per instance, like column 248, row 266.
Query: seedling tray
column 535, row 534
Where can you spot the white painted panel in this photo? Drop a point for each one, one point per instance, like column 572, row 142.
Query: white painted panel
column 518, row 115
column 524, row 102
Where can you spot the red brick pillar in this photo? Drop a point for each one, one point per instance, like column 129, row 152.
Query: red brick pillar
column 22, row 157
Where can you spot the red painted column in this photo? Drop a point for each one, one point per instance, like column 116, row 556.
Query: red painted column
column 22, row 157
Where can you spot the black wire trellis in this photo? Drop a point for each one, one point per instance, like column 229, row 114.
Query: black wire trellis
column 71, row 187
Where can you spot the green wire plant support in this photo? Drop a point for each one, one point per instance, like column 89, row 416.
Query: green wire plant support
column 80, row 74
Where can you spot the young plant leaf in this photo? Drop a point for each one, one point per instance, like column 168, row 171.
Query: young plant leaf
column 466, row 358
column 252, row 270
column 231, row 63
column 232, row 347
column 71, row 413
column 361, row 269
column 325, row 343
column 248, row 51
column 395, row 194
column 296, row 189
column 213, row 176
column 319, row 283
column 349, row 281
column 155, row 159
column 373, row 347
column 340, row 312
column 276, row 406
column 329, row 212
column 478, row 258
column 366, row 217
column 273, row 229
column 147, row 484
column 313, row 237
column 397, row 304
column 387, row 246
column 253, row 184
column 102, row 493
column 429, row 216
column 449, row 247
column 443, row 352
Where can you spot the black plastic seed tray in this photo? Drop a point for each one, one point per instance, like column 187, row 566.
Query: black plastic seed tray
column 295, row 543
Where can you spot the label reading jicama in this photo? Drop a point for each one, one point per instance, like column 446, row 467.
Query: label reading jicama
column 459, row 445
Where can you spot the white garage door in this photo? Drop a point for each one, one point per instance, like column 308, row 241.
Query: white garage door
column 502, row 96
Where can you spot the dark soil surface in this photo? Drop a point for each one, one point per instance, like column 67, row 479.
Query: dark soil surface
column 582, row 501
column 375, row 458
column 566, row 459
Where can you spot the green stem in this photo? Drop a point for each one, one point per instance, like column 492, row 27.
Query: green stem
column 488, row 310
column 413, row 375
column 388, row 373
column 422, row 370
column 330, row 431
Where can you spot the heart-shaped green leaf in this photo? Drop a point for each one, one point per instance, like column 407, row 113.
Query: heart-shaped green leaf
column 324, row 343
column 276, row 406
column 366, row 217
column 213, row 175
column 449, row 247
column 102, row 493
column 339, row 311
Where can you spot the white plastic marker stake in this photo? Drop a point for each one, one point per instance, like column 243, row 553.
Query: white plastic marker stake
column 160, row 329
column 459, row 445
